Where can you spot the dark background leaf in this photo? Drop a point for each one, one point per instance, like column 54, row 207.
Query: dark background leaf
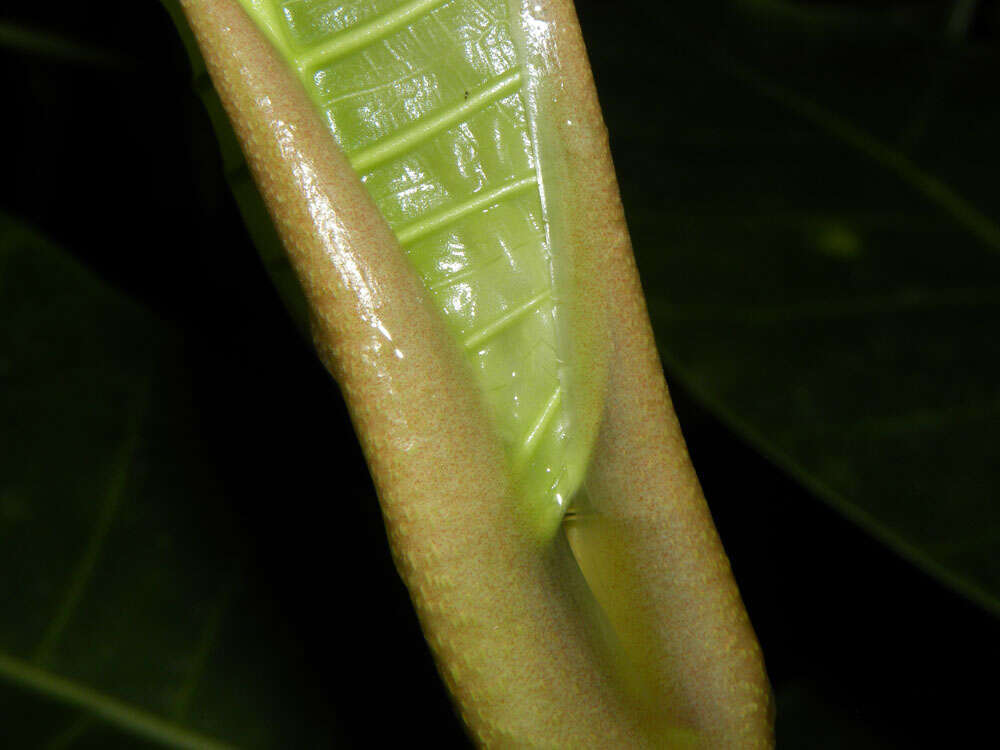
column 125, row 577
column 822, row 254
column 255, row 467
column 745, row 209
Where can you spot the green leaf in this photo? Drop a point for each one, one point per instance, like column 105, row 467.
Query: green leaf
column 820, row 248
column 128, row 611
column 459, row 174
column 821, row 252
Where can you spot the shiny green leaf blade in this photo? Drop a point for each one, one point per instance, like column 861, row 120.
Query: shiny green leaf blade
column 431, row 101
column 128, row 614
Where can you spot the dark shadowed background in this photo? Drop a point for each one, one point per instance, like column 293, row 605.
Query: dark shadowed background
column 188, row 533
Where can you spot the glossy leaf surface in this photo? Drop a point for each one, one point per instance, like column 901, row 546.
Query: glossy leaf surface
column 821, row 249
column 432, row 102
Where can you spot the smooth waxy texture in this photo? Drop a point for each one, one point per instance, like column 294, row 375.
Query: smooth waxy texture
column 430, row 100
column 512, row 622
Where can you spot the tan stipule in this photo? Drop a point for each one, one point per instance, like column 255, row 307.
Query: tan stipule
column 510, row 621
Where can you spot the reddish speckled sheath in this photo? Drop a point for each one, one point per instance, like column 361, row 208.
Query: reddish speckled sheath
column 511, row 621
